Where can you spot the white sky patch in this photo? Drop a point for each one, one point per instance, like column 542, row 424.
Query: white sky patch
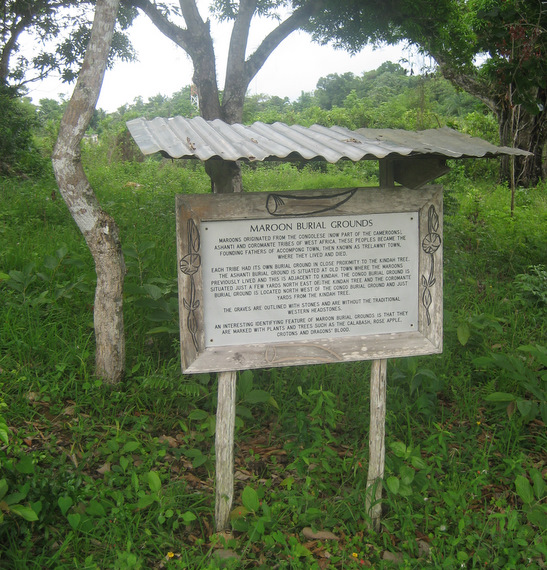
column 163, row 68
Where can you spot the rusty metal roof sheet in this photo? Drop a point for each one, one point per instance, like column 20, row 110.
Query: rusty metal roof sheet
column 179, row 137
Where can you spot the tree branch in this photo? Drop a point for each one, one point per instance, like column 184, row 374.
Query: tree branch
column 179, row 36
column 294, row 22
column 11, row 45
column 469, row 82
column 197, row 42
column 240, row 36
column 191, row 14
column 236, row 82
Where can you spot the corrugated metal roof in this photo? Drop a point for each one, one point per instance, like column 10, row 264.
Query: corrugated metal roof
column 179, row 137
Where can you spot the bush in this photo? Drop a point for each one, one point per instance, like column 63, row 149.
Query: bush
column 18, row 152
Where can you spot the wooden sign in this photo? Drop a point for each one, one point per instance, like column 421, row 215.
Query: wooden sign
column 303, row 277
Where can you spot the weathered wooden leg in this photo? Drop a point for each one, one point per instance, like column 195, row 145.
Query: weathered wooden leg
column 224, row 448
column 377, row 449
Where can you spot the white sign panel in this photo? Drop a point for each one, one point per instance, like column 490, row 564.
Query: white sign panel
column 293, row 279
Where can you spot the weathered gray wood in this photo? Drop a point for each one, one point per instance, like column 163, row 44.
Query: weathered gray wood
column 190, row 287
column 320, row 351
column 224, row 449
column 250, row 206
column 430, row 308
column 196, row 357
column 377, row 434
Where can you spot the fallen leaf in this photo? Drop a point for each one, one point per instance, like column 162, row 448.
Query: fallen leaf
column 74, row 460
column 241, row 476
column 171, row 441
column 207, row 526
column 104, row 469
column 309, row 533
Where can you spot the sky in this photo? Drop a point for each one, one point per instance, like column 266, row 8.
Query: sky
column 163, row 68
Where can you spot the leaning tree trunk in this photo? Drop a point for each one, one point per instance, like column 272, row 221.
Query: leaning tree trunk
column 98, row 228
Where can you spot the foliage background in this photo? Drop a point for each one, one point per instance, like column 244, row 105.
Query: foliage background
column 122, row 477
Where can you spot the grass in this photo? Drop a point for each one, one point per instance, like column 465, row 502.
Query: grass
column 100, row 477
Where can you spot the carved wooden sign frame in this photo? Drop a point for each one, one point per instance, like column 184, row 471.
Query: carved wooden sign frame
column 304, row 277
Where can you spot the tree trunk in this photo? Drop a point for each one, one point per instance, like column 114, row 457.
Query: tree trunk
column 196, row 40
column 521, row 129
column 517, row 127
column 98, row 228
column 225, row 176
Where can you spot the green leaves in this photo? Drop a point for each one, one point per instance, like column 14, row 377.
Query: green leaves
column 408, row 470
column 155, row 296
column 64, row 502
column 25, row 512
column 11, row 503
column 533, row 496
column 524, row 489
column 154, row 481
column 74, row 520
column 4, row 431
column 250, row 500
column 154, row 484
column 25, row 465
column 530, row 375
column 464, row 332
column 248, row 395
column 393, row 484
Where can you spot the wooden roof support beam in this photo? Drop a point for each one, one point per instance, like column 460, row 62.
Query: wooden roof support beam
column 415, row 172
column 386, row 172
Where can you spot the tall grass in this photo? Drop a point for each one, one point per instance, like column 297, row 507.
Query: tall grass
column 122, row 477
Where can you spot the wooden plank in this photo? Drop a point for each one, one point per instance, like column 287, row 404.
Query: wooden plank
column 224, row 449
column 320, row 351
column 378, row 383
column 376, row 442
column 256, row 205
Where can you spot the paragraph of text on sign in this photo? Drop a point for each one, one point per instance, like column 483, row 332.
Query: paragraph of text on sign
column 300, row 278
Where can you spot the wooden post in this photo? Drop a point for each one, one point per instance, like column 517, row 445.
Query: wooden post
column 377, row 448
column 377, row 431
column 224, row 448
column 386, row 173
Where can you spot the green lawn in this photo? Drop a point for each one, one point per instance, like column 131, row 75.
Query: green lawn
column 94, row 476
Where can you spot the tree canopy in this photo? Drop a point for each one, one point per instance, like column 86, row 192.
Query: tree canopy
column 494, row 49
column 60, row 29
column 349, row 24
